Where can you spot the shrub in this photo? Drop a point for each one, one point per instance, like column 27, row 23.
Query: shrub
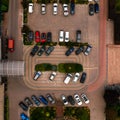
column 70, row 67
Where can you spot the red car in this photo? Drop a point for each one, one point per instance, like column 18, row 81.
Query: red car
column 37, row 36
column 43, row 37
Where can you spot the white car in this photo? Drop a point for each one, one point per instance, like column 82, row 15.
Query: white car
column 30, row 8
column 37, row 75
column 43, row 9
column 85, row 99
column 55, row 8
column 64, row 99
column 77, row 99
column 52, row 76
column 66, row 36
column 67, row 79
column 61, row 36
column 76, row 77
column 65, row 9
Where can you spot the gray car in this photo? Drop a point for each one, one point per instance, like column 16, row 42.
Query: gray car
column 31, row 36
column 50, row 98
column 49, row 50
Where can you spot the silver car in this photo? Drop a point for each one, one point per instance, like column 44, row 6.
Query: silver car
column 64, row 99
column 52, row 76
column 43, row 9
column 85, row 98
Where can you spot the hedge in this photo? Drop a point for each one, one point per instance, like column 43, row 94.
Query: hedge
column 45, row 67
column 62, row 67
column 69, row 44
column 48, row 43
column 70, row 67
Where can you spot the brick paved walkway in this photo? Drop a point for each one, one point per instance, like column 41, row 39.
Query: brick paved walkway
column 102, row 73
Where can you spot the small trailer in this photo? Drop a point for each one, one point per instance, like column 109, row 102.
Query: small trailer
column 11, row 45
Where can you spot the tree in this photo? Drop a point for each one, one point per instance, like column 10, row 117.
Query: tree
column 25, row 3
column 111, row 97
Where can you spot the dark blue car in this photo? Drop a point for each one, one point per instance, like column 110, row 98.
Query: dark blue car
column 72, row 7
column 43, row 100
column 24, row 116
column 96, row 7
column 35, row 99
column 69, row 51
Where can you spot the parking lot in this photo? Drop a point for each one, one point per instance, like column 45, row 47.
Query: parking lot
column 89, row 26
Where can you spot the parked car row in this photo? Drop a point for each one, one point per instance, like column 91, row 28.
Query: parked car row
column 79, row 50
column 64, row 36
column 66, row 10
column 38, row 74
column 28, row 102
column 93, row 8
column 41, row 50
column 49, row 99
column 43, row 37
column 75, row 99
column 75, row 77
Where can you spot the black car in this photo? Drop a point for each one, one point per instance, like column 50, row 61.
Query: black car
column 96, row 7
column 69, row 51
column 83, row 77
column 28, row 101
column 35, row 99
column 79, row 50
column 42, row 49
column 72, row 7
column 50, row 98
column 31, row 36
column 49, row 37
column 49, row 50
column 71, row 100
column 23, row 106
column 34, row 50
column 91, row 9
column 78, row 36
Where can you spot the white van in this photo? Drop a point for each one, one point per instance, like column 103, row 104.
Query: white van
column 67, row 79
column 30, row 8
column 61, row 36
column 66, row 36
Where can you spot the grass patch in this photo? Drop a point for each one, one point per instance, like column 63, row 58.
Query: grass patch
column 70, row 67
column 117, row 6
column 6, row 108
